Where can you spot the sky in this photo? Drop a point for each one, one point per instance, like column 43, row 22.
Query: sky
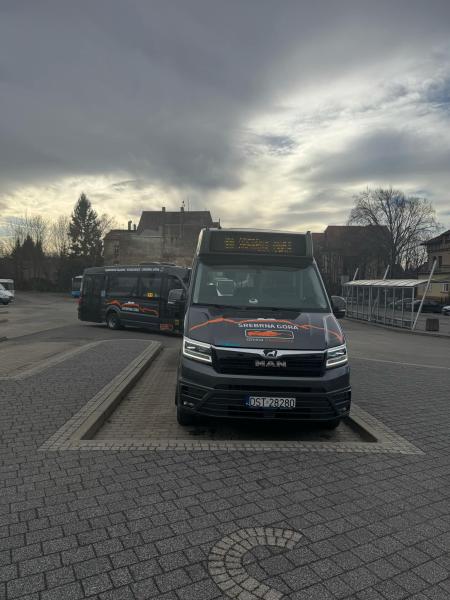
column 271, row 114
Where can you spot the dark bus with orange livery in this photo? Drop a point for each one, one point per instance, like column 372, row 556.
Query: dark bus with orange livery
column 133, row 296
column 261, row 338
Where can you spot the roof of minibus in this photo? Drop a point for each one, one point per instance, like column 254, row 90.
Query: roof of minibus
column 121, row 268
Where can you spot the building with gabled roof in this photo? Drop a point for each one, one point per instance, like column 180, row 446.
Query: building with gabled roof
column 341, row 249
column 438, row 249
column 160, row 236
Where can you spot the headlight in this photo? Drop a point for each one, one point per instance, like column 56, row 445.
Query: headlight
column 337, row 357
column 197, row 350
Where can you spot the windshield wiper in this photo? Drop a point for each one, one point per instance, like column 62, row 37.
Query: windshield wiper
column 247, row 307
column 277, row 308
column 210, row 304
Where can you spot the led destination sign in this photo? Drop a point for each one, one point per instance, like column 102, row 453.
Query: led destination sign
column 258, row 243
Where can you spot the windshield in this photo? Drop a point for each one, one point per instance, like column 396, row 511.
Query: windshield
column 260, row 286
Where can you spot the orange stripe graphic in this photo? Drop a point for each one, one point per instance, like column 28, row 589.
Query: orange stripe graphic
column 304, row 326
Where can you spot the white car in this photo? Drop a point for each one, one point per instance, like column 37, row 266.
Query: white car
column 5, row 295
column 446, row 310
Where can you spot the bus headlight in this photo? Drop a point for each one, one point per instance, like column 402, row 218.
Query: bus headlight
column 336, row 357
column 197, row 350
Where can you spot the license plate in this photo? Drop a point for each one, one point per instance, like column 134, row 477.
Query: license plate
column 269, row 402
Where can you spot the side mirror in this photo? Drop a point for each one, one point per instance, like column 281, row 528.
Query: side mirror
column 339, row 306
column 176, row 297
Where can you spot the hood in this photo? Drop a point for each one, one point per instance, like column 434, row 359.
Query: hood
column 263, row 329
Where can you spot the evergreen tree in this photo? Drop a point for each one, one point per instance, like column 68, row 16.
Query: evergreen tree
column 85, row 233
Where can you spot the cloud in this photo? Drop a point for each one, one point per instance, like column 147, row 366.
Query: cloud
column 382, row 155
column 257, row 110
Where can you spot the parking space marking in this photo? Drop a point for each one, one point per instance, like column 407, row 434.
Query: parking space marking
column 59, row 358
column 404, row 364
column 225, row 561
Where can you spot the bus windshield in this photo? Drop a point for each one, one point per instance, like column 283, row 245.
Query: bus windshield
column 7, row 284
column 260, row 286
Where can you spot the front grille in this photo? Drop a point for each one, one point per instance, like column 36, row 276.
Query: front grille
column 242, row 363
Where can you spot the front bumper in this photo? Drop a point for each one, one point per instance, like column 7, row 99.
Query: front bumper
column 203, row 391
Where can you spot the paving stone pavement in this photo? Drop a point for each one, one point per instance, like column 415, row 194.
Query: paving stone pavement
column 142, row 524
column 146, row 418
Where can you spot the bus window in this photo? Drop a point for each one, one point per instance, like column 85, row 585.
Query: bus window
column 122, row 285
column 87, row 287
column 150, row 287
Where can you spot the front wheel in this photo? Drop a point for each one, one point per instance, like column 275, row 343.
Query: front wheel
column 183, row 417
column 330, row 425
column 112, row 320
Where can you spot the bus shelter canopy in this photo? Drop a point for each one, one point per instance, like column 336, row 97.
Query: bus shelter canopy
column 388, row 301
column 388, row 283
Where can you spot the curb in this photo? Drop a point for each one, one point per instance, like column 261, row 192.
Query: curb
column 89, row 419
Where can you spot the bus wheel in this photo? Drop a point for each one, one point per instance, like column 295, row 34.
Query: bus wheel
column 183, row 417
column 330, row 425
column 112, row 320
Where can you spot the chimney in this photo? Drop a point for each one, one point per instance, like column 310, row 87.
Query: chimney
column 182, row 208
column 164, row 209
column 134, row 227
column 129, row 225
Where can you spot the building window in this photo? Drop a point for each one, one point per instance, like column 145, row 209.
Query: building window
column 116, row 250
column 444, row 289
column 440, row 261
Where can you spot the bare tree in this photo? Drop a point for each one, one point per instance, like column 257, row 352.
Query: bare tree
column 15, row 233
column 59, row 241
column 415, row 258
column 405, row 220
column 37, row 228
column 107, row 223
column 19, row 228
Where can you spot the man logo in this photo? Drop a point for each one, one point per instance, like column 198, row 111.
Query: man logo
column 271, row 364
column 270, row 353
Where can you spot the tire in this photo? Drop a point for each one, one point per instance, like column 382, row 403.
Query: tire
column 331, row 425
column 183, row 417
column 112, row 320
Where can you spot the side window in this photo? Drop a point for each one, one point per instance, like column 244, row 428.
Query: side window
column 150, row 286
column 122, row 285
column 98, row 281
column 87, row 286
column 173, row 283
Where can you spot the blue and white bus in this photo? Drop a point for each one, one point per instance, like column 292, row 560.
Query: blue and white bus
column 76, row 286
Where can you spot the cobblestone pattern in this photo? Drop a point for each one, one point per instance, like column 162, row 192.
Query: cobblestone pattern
column 141, row 524
column 226, row 567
